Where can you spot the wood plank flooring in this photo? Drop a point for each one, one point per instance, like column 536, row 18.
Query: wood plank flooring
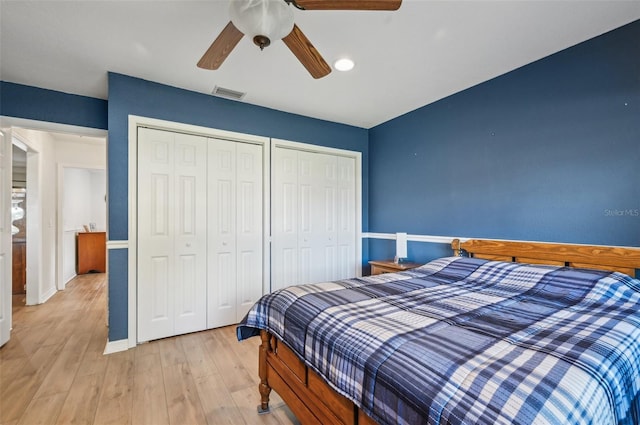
column 52, row 371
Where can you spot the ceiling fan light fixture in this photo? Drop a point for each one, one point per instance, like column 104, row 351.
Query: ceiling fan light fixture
column 264, row 21
column 344, row 64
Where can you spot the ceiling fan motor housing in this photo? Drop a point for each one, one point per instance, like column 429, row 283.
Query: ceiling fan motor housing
column 261, row 41
column 262, row 20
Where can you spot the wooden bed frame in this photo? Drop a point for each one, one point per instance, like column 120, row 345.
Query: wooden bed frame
column 313, row 401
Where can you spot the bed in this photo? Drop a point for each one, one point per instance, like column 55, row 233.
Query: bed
column 500, row 333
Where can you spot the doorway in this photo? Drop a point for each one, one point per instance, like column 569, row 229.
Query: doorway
column 26, row 204
column 46, row 146
column 82, row 208
column 19, row 223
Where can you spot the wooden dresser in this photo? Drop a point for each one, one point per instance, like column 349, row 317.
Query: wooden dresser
column 91, row 252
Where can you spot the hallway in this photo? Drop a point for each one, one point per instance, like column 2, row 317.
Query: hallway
column 52, row 371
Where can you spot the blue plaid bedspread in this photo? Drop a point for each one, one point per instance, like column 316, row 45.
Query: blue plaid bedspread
column 467, row 341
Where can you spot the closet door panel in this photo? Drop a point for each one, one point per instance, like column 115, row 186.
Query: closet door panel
column 161, row 314
column 222, row 290
column 171, row 234
column 235, row 232
column 326, row 237
column 188, row 296
column 249, row 200
column 249, row 228
column 305, row 221
column 155, row 235
column 161, row 194
column 345, row 217
column 248, row 281
column 284, row 216
column 190, row 245
column 221, row 293
column 310, row 216
column 313, row 217
column 318, row 233
column 156, row 268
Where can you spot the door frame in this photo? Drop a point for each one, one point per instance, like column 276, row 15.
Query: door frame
column 7, row 124
column 6, row 248
column 357, row 156
column 131, row 244
column 32, row 206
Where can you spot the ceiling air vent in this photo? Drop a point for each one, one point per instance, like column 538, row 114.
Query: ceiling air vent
column 228, row 93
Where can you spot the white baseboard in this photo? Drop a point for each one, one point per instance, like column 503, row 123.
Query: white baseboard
column 45, row 297
column 116, row 346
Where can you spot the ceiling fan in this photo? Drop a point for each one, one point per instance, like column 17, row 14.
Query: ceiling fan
column 266, row 21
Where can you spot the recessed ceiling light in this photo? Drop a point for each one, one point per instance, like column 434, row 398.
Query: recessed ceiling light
column 343, row 64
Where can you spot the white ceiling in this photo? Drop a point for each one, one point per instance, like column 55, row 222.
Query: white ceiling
column 423, row 52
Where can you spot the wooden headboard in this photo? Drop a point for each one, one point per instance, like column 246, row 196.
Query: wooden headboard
column 624, row 260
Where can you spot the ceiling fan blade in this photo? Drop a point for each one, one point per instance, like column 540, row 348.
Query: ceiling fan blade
column 221, row 47
column 349, row 4
column 302, row 48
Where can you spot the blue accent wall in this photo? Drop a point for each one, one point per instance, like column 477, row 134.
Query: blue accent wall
column 118, row 293
column 133, row 96
column 548, row 152
column 129, row 95
column 20, row 101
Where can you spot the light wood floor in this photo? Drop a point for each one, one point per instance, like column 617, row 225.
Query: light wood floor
column 52, row 371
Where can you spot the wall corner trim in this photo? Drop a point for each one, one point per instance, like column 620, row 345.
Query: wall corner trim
column 116, row 346
column 50, row 293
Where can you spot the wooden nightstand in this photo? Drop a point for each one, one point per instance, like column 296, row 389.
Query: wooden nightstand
column 388, row 266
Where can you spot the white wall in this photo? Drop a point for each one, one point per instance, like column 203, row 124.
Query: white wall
column 98, row 199
column 83, row 195
column 79, row 154
column 75, row 210
column 76, row 204
column 83, row 202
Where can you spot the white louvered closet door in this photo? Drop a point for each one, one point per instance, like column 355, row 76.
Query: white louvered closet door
column 313, row 217
column 172, row 228
column 235, row 241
